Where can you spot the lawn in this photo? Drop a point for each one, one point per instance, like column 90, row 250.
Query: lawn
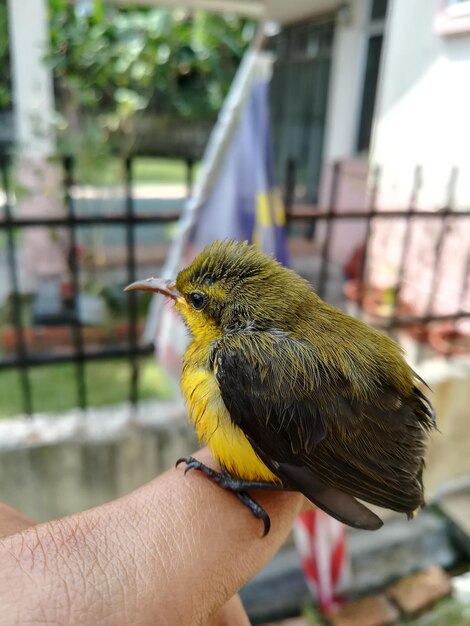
column 54, row 386
column 146, row 171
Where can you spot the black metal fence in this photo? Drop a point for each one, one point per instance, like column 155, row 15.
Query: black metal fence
column 446, row 218
column 22, row 358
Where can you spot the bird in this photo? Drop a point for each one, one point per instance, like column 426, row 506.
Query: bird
column 291, row 393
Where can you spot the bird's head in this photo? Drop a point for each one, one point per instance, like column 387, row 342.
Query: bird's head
column 230, row 286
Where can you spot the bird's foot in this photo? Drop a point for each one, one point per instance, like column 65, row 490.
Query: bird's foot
column 237, row 486
column 256, row 509
column 224, row 479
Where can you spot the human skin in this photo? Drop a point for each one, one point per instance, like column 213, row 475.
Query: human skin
column 174, row 552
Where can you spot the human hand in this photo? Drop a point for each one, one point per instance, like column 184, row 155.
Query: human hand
column 173, row 552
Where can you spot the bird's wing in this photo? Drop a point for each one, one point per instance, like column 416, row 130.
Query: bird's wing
column 305, row 423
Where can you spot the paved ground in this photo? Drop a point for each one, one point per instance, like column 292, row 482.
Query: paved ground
column 425, row 600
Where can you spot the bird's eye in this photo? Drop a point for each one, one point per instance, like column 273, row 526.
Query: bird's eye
column 198, row 300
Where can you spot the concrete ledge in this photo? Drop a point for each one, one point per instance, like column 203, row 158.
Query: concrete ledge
column 456, row 507
column 50, row 466
column 96, row 424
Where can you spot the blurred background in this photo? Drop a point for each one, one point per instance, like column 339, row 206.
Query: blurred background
column 119, row 118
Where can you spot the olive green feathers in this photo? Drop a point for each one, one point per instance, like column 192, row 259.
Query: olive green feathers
column 328, row 403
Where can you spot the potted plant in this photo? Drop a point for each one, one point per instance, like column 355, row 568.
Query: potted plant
column 380, row 305
column 448, row 339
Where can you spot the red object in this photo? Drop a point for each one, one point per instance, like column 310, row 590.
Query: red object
column 66, row 290
column 447, row 339
column 60, row 338
column 353, row 267
column 321, row 543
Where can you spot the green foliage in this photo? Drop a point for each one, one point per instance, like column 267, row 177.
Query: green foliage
column 5, row 73
column 447, row 612
column 111, row 63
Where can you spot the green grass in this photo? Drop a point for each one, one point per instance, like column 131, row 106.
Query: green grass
column 146, row 171
column 54, row 387
column 160, row 171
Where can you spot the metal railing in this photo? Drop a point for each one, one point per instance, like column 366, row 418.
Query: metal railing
column 24, row 359
column 131, row 348
column 372, row 214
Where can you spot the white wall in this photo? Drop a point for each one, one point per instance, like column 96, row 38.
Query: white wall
column 423, row 106
column 423, row 118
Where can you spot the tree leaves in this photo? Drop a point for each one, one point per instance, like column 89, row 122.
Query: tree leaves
column 178, row 59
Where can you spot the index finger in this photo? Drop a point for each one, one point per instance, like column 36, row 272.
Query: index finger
column 221, row 544
column 172, row 552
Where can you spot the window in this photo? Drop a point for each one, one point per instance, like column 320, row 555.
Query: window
column 453, row 17
column 374, row 52
column 457, row 8
column 299, row 97
column 376, row 28
column 378, row 9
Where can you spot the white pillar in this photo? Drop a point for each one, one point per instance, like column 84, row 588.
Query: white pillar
column 342, row 125
column 32, row 80
column 346, row 84
column 33, row 101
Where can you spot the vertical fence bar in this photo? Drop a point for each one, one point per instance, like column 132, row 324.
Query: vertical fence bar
column 371, row 210
column 453, row 326
column 189, row 176
column 289, row 190
column 416, row 186
column 68, row 164
column 325, row 251
column 131, row 277
column 466, row 273
column 435, row 275
column 465, row 283
column 16, row 297
column 440, row 241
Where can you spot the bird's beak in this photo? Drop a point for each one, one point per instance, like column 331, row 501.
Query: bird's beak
column 157, row 285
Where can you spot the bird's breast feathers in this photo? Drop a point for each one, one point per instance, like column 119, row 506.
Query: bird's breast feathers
column 214, row 426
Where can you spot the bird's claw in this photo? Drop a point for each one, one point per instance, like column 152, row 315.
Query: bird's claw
column 187, row 468
column 191, row 463
column 266, row 523
column 183, row 459
column 237, row 487
column 256, row 509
